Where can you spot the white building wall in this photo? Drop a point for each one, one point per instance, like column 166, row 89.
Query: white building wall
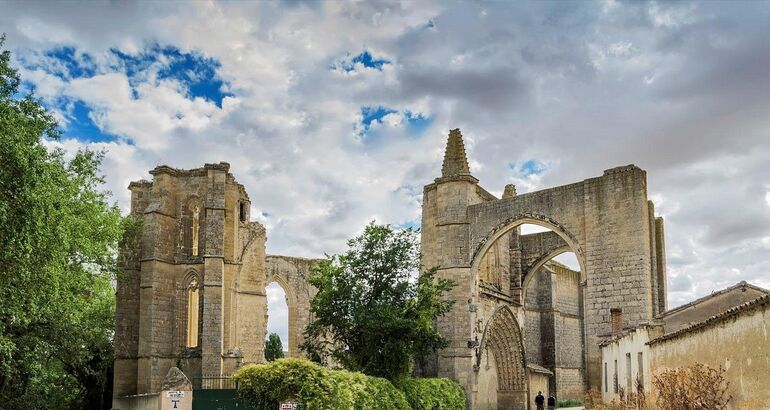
column 619, row 351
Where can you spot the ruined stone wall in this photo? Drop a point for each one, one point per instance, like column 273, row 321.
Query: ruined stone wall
column 568, row 369
column 553, row 336
column 152, row 299
column 540, row 247
column 605, row 221
column 292, row 274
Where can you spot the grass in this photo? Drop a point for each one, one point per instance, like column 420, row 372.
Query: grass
column 568, row 403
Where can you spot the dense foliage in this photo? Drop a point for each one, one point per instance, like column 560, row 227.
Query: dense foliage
column 433, row 394
column 58, row 239
column 265, row 386
column 273, row 347
column 371, row 313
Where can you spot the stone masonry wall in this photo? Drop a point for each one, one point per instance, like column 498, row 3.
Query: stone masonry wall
column 605, row 220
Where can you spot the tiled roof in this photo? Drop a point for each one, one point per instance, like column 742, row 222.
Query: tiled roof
column 732, row 312
column 741, row 284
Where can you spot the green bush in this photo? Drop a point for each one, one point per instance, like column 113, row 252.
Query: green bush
column 264, row 386
column 434, row 394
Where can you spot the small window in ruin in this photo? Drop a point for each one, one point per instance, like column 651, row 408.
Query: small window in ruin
column 605, row 378
column 640, row 370
column 242, row 214
column 615, row 378
column 195, row 231
column 192, row 313
column 629, row 384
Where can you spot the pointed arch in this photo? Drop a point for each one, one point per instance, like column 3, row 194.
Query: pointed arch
column 191, row 243
column 502, row 336
column 189, row 303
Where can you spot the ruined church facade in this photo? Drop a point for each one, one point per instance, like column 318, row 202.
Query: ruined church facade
column 193, row 291
column 517, row 315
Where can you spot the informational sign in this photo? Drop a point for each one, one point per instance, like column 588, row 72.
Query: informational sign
column 175, row 394
column 290, row 405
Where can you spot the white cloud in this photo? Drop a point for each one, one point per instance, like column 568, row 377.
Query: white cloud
column 677, row 89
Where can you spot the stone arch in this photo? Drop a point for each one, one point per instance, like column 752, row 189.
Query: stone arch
column 509, row 224
column 530, row 270
column 291, row 304
column 188, row 334
column 503, row 338
column 292, row 274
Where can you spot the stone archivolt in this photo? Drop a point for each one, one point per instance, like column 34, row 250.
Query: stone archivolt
column 503, row 337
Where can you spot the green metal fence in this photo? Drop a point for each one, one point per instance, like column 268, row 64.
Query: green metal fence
column 216, row 392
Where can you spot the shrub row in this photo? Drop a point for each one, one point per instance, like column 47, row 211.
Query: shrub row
column 434, row 394
column 265, row 386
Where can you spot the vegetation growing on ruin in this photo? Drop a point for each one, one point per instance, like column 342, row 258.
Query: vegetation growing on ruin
column 58, row 244
column 372, row 313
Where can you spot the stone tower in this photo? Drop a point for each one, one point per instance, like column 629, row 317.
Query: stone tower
column 499, row 333
column 193, row 290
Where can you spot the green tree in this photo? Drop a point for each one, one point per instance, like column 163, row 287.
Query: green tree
column 58, row 245
column 273, row 347
column 373, row 313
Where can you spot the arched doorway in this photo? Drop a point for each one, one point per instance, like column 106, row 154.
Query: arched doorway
column 502, row 379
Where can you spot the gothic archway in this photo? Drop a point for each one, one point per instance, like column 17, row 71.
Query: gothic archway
column 503, row 341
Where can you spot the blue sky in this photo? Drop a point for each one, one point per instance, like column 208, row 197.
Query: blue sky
column 336, row 113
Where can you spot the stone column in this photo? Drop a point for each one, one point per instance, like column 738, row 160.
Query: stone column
column 213, row 259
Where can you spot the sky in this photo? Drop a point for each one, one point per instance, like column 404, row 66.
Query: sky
column 333, row 114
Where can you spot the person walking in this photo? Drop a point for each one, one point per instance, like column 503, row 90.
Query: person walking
column 551, row 402
column 539, row 400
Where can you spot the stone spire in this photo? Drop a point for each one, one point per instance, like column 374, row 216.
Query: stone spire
column 455, row 161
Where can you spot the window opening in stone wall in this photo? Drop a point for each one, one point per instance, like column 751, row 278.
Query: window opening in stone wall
column 277, row 314
column 605, row 378
column 628, row 373
column 640, row 370
column 242, row 211
column 195, row 230
column 615, row 378
column 192, row 313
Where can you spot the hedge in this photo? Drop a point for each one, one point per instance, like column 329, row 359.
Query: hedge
column 434, row 394
column 264, row 386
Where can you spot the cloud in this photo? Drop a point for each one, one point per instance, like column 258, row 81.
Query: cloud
column 281, row 91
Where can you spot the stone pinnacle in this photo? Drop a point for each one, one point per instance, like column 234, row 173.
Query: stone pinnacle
column 455, row 161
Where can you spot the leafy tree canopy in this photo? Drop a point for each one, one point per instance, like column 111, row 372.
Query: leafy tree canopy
column 273, row 347
column 372, row 312
column 58, row 240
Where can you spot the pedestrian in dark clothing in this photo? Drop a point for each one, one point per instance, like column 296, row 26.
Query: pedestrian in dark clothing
column 539, row 400
column 551, row 402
